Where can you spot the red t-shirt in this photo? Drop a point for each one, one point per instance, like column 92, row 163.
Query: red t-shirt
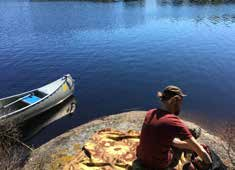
column 157, row 134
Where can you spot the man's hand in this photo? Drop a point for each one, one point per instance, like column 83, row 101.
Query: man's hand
column 201, row 152
column 199, row 164
column 193, row 145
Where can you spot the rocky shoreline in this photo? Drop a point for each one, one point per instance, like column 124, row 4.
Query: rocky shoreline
column 62, row 149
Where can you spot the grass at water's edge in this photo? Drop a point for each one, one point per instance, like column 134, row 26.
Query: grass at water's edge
column 13, row 152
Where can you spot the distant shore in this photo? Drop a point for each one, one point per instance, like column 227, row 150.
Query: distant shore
column 60, row 150
column 160, row 1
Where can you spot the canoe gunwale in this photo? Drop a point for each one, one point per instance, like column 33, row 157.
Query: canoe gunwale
column 63, row 81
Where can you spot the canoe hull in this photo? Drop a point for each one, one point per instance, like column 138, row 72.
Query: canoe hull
column 60, row 91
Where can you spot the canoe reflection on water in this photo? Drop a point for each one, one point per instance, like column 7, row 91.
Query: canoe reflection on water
column 34, row 125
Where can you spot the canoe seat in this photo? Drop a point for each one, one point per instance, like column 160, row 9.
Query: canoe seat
column 31, row 99
column 39, row 94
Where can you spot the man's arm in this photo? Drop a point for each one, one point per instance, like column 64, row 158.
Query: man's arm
column 181, row 144
column 192, row 144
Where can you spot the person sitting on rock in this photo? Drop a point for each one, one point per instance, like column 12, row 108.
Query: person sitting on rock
column 164, row 134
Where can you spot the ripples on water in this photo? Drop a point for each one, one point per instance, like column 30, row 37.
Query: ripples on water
column 120, row 54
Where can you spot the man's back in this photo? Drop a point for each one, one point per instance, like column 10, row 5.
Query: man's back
column 158, row 131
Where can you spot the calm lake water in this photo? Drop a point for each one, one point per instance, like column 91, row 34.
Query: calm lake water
column 120, row 55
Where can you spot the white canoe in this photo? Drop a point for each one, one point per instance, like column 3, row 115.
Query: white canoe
column 21, row 107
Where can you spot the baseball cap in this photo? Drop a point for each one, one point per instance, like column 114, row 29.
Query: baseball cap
column 169, row 92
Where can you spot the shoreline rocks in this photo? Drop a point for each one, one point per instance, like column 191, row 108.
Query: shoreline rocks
column 62, row 149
